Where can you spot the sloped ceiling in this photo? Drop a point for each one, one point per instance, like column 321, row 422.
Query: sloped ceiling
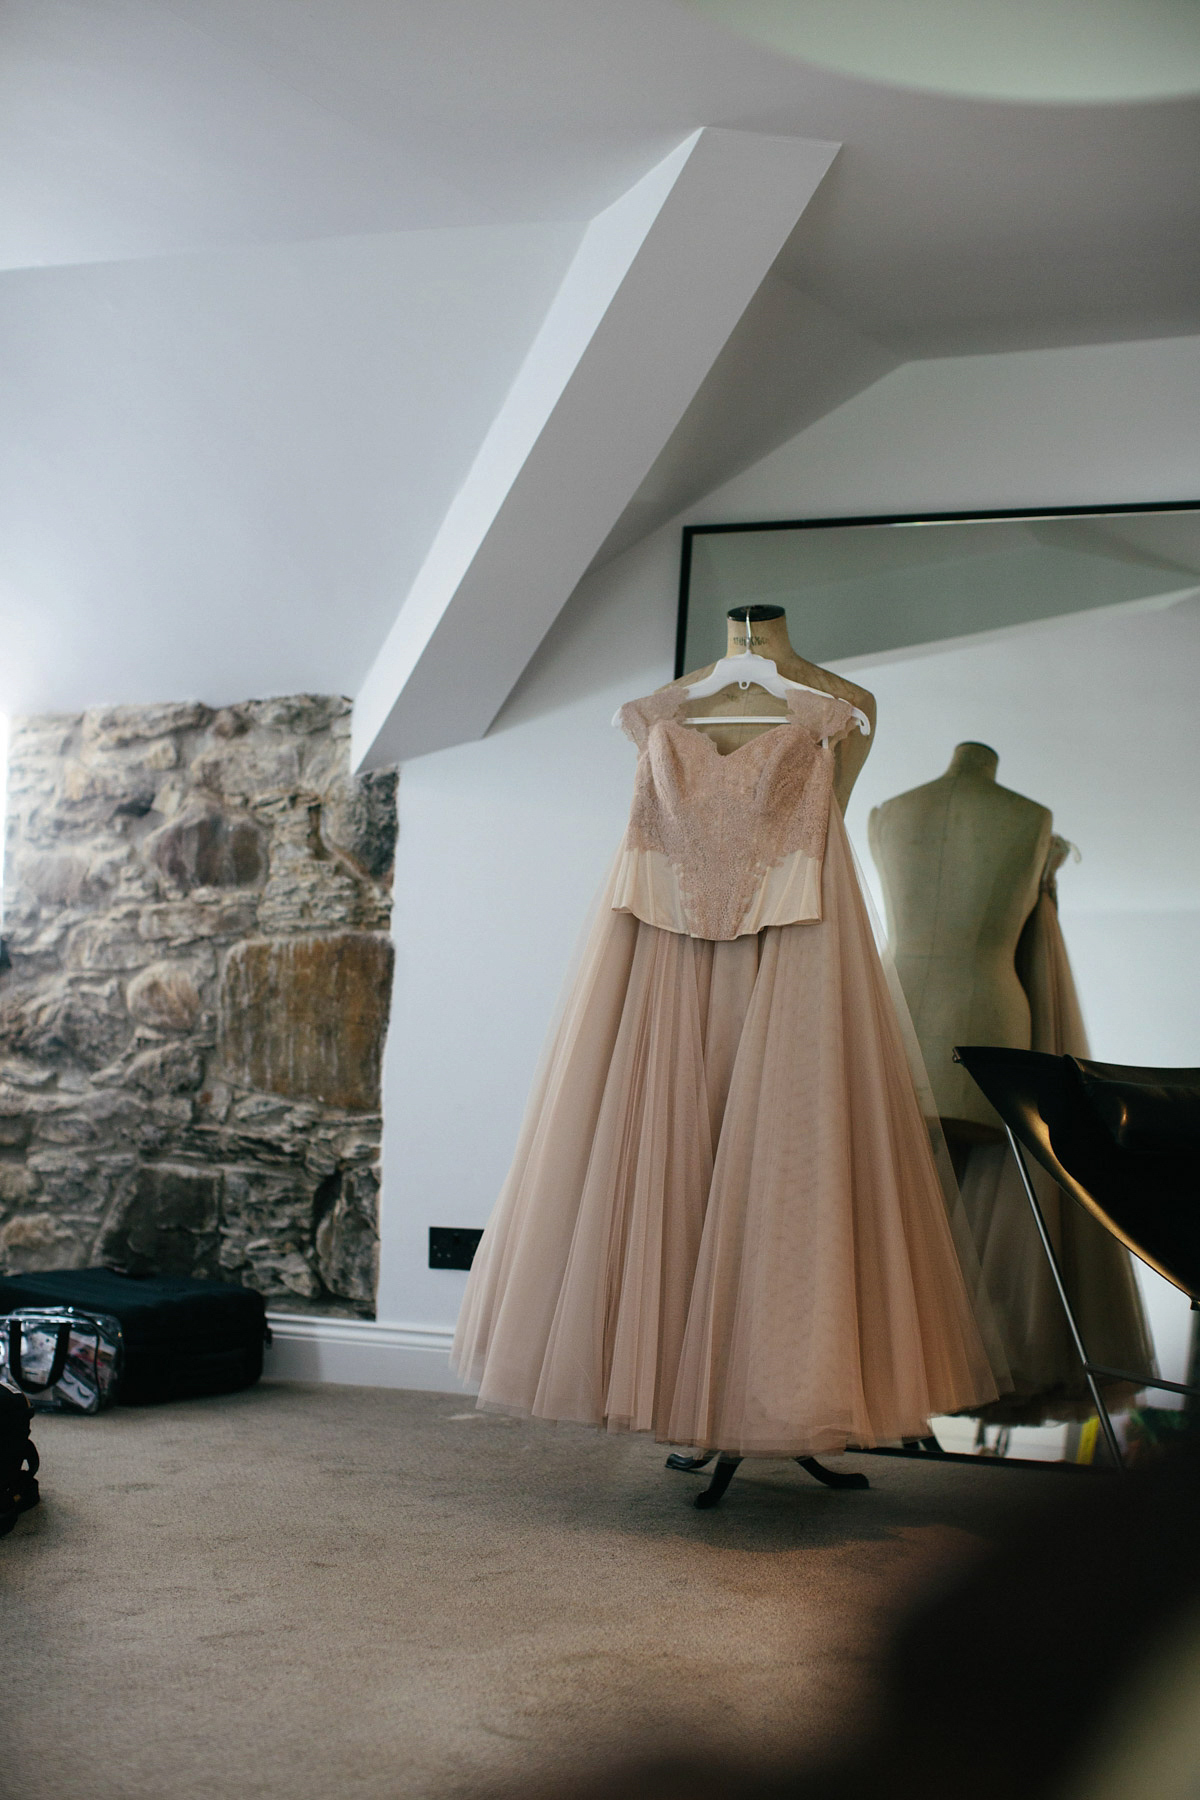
column 271, row 267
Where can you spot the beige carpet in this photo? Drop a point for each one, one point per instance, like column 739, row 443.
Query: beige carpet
column 306, row 1592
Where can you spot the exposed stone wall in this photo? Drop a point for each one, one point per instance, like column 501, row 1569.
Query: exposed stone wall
column 196, row 907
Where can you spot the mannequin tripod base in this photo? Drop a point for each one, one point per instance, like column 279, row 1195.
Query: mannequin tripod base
column 727, row 1465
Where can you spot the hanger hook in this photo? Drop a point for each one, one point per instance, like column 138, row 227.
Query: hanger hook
column 746, row 652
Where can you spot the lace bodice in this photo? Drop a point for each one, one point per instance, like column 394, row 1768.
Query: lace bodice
column 719, row 846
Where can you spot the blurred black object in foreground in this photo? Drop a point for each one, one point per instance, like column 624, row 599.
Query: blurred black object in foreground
column 1003, row 1683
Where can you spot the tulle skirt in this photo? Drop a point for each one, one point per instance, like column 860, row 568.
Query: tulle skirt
column 723, row 1223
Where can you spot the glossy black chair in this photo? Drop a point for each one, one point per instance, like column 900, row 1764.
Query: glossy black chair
column 1124, row 1142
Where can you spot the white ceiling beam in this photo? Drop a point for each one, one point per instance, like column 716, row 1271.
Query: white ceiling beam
column 660, row 279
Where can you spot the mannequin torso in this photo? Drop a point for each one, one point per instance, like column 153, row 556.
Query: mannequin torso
column 769, row 637
column 961, row 859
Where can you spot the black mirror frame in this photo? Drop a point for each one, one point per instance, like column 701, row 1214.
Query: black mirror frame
column 691, row 532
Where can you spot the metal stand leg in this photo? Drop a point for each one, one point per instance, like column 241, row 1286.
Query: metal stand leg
column 722, row 1476
column 1106, row 1424
column 830, row 1477
column 723, row 1473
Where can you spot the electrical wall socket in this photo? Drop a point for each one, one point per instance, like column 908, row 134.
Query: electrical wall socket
column 452, row 1246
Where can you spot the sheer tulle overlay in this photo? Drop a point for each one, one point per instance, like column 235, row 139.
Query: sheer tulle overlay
column 723, row 1223
column 1046, row 1375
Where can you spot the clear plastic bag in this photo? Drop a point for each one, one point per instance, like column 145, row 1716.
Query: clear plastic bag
column 62, row 1358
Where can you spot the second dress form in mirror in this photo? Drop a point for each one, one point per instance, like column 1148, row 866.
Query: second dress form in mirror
column 968, row 870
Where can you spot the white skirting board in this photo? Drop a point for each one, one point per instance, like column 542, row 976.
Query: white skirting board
column 360, row 1353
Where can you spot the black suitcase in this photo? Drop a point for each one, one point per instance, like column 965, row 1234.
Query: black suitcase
column 183, row 1338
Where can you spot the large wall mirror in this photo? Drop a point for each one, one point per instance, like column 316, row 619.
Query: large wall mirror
column 1069, row 641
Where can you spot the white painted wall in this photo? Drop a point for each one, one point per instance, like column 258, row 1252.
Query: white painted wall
column 3, row 805
column 503, row 843
column 503, row 846
column 208, row 480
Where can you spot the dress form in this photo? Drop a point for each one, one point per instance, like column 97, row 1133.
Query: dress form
column 961, row 859
column 769, row 637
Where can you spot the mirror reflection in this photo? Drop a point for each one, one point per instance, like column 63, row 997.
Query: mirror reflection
column 1026, row 824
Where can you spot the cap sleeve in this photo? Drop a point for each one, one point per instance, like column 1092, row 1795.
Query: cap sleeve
column 827, row 716
column 633, row 722
column 637, row 716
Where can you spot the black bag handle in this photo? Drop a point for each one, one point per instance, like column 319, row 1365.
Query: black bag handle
column 62, row 1345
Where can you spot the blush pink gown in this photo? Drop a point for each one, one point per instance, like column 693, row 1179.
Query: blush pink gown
column 723, row 1223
